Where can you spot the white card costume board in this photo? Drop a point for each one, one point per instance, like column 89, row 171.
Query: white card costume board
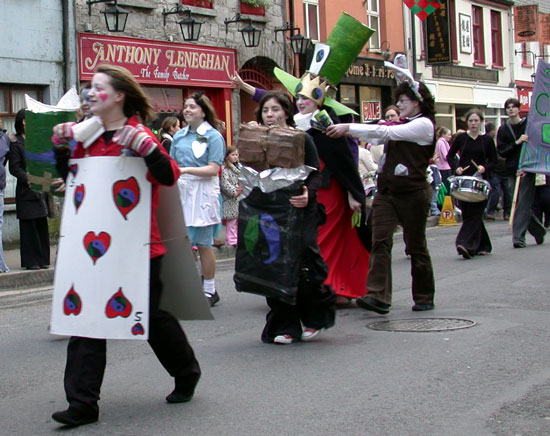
column 101, row 284
column 182, row 293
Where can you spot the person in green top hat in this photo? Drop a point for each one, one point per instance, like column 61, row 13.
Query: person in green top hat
column 343, row 247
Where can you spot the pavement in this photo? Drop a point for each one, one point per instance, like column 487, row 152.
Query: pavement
column 18, row 278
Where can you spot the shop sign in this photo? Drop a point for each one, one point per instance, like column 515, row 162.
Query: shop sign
column 438, row 39
column 465, row 73
column 370, row 110
column 465, row 33
column 526, row 23
column 369, row 72
column 156, row 62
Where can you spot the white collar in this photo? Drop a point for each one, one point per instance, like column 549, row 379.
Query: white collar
column 303, row 121
column 201, row 130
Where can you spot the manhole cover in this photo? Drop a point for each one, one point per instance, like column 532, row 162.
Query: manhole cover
column 422, row 325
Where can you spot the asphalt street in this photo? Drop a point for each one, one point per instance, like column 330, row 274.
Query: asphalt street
column 490, row 379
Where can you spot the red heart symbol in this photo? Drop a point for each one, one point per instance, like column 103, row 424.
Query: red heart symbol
column 96, row 245
column 126, row 195
column 118, row 305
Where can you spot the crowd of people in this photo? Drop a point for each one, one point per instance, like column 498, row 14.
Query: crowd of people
column 359, row 182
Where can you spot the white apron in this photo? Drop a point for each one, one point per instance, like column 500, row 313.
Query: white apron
column 200, row 200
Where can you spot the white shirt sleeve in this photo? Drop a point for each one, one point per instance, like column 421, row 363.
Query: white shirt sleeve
column 419, row 130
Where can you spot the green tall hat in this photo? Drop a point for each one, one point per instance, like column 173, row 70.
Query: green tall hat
column 330, row 62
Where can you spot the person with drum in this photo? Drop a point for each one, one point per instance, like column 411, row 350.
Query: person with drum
column 477, row 158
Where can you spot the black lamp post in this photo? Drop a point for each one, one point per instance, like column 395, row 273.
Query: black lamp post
column 190, row 28
column 251, row 35
column 115, row 16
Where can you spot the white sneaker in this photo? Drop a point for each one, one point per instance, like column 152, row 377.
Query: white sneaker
column 283, row 339
column 310, row 334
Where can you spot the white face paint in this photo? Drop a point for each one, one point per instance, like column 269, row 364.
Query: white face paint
column 306, row 105
column 407, row 107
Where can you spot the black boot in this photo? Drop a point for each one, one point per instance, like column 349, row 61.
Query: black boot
column 184, row 390
column 74, row 418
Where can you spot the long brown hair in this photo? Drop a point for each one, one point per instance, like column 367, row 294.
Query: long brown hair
column 136, row 101
column 208, row 108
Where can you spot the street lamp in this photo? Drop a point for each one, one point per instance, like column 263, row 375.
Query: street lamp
column 115, row 16
column 299, row 44
column 251, row 35
column 190, row 28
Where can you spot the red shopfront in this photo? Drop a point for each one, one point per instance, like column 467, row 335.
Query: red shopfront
column 168, row 72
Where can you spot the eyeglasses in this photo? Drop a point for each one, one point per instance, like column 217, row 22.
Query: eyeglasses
column 402, row 100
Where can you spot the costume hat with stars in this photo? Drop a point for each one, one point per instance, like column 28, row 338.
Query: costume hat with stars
column 330, row 62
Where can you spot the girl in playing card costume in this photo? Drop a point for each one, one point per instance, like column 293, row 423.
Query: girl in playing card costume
column 119, row 102
column 344, row 248
column 403, row 195
column 199, row 150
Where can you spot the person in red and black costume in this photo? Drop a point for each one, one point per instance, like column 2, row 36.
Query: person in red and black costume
column 118, row 100
column 403, row 196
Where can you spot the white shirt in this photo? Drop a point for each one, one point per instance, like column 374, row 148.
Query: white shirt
column 419, row 130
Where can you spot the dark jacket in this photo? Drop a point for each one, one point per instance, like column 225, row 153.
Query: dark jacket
column 29, row 204
column 506, row 144
column 480, row 150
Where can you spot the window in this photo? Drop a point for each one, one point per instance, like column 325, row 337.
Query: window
column 12, row 98
column 311, row 18
column 496, row 38
column 477, row 33
column 373, row 21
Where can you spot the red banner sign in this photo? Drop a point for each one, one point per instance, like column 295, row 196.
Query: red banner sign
column 524, row 97
column 158, row 63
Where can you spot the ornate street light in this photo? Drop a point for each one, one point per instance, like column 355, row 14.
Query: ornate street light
column 190, row 28
column 299, row 44
column 251, row 35
column 115, row 16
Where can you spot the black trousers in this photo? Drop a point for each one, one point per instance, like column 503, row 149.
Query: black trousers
column 315, row 303
column 86, row 357
column 35, row 242
column 410, row 209
column 524, row 218
column 473, row 235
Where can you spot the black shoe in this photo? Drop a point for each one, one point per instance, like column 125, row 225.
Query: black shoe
column 463, row 251
column 73, row 418
column 540, row 239
column 213, row 298
column 369, row 303
column 520, row 244
column 422, row 307
column 184, row 391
